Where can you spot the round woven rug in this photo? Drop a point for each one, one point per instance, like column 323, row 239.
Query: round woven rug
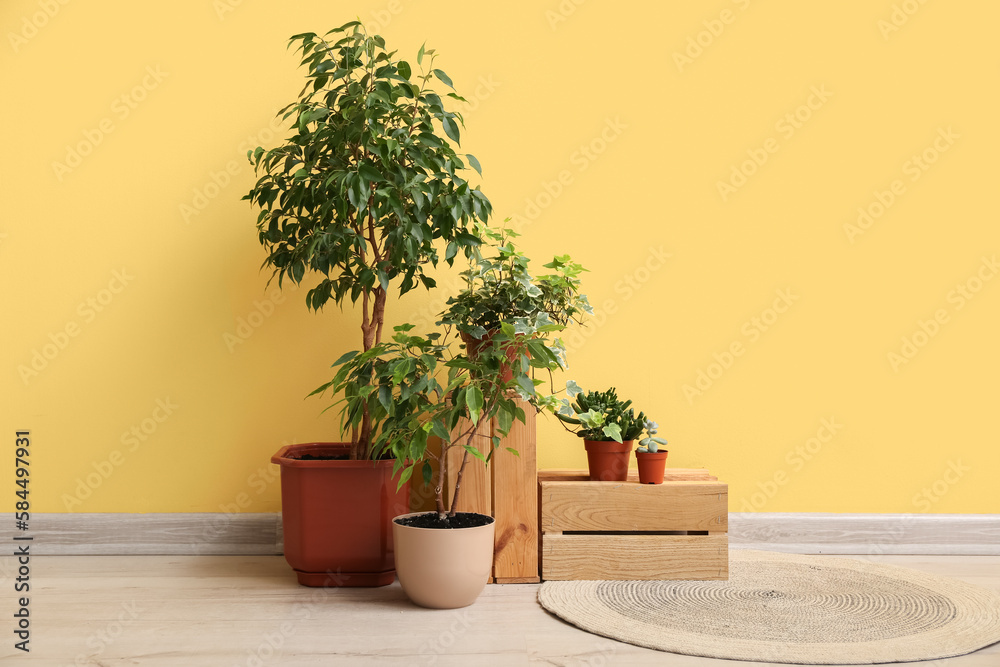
column 789, row 608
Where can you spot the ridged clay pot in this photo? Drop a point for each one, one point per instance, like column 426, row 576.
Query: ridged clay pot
column 337, row 516
column 608, row 460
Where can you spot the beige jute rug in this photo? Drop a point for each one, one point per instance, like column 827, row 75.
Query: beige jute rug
column 786, row 608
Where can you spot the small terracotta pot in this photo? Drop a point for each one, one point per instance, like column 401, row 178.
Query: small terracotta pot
column 608, row 460
column 513, row 351
column 651, row 465
column 443, row 568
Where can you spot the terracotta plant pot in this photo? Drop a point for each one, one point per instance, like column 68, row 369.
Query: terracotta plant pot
column 512, row 351
column 337, row 516
column 443, row 568
column 651, row 465
column 608, row 460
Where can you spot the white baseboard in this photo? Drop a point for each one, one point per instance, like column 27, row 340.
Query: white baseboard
column 868, row 534
column 260, row 534
column 209, row 534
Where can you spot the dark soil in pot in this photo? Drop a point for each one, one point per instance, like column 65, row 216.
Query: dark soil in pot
column 313, row 457
column 326, row 457
column 460, row 520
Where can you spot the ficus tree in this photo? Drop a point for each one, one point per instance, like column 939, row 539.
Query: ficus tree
column 367, row 191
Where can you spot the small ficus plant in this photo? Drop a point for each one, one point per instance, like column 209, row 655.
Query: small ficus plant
column 367, row 191
column 499, row 287
column 414, row 387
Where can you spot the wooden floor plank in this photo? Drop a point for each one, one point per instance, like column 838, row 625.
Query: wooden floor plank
column 163, row 611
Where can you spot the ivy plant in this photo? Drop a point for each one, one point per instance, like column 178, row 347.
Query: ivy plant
column 367, row 191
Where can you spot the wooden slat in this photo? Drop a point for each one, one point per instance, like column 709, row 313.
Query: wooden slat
column 629, row 506
column 629, row 557
column 669, row 475
column 476, row 493
column 515, row 503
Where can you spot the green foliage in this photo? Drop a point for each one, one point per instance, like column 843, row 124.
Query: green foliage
column 367, row 188
column 500, row 288
column 600, row 415
column 413, row 387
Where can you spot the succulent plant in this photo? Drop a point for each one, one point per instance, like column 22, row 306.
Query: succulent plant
column 650, row 443
column 601, row 415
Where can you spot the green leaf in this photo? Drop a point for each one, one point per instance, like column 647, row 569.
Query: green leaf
column 403, row 68
column 613, row 431
column 427, row 473
column 321, row 389
column 369, row 173
column 505, row 420
column 440, row 430
column 444, row 78
column 474, row 162
column 451, row 129
column 342, row 28
column 400, row 371
column 385, row 398
column 418, row 445
column 512, row 451
column 474, row 401
column 420, row 54
column 474, row 451
column 405, row 477
column 347, row 356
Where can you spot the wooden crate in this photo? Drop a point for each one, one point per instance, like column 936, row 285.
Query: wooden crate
column 505, row 491
column 627, row 530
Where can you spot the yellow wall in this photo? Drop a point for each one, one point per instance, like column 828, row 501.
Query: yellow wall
column 593, row 94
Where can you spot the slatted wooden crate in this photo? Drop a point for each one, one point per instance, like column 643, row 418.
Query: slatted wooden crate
column 505, row 491
column 627, row 530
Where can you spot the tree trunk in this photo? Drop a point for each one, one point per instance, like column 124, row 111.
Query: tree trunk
column 461, row 469
column 442, row 475
column 371, row 331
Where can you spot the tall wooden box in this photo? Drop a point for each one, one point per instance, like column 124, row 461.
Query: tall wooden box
column 507, row 492
column 628, row 530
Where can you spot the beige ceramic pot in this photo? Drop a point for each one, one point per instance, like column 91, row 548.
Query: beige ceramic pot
column 443, row 568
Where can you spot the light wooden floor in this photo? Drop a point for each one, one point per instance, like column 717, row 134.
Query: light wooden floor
column 224, row 611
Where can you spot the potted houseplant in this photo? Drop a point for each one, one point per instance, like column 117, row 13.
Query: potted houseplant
column 499, row 287
column 650, row 458
column 608, row 427
column 415, row 387
column 364, row 195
